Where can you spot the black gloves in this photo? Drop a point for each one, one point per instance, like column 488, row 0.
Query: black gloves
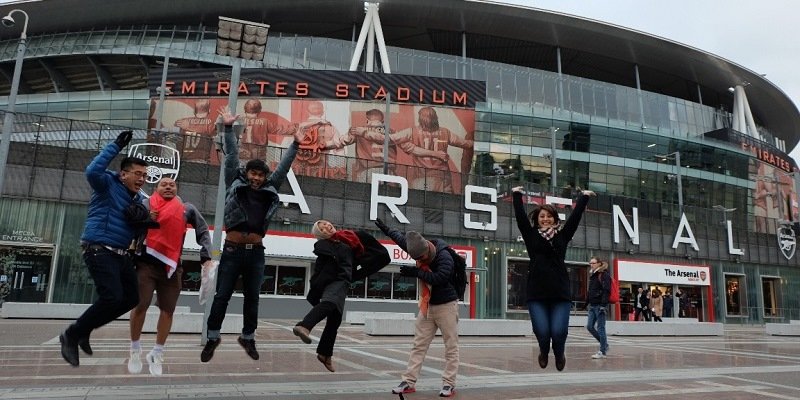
column 139, row 217
column 407, row 270
column 124, row 138
column 381, row 225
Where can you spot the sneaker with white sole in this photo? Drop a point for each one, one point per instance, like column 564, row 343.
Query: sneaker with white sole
column 403, row 387
column 599, row 355
column 154, row 362
column 135, row 362
column 447, row 391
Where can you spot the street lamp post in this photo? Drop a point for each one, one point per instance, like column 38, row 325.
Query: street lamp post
column 553, row 161
column 240, row 40
column 8, row 121
column 677, row 155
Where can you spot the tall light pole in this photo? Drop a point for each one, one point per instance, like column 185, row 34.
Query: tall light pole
column 240, row 40
column 553, row 161
column 677, row 156
column 8, row 122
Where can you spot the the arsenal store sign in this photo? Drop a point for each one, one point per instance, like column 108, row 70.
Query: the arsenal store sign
column 342, row 85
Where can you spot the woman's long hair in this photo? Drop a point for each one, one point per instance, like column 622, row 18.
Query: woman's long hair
column 533, row 216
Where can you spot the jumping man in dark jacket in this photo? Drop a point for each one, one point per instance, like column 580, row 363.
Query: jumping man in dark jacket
column 250, row 202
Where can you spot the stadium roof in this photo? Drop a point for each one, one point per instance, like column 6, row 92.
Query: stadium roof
column 498, row 32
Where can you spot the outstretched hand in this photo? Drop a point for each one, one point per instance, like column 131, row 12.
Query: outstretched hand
column 517, row 189
column 588, row 193
column 381, row 225
column 407, row 270
column 124, row 138
column 228, row 118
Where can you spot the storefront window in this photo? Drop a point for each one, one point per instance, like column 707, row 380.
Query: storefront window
column 405, row 287
column 357, row 290
column 517, row 284
column 192, row 273
column 24, row 273
column 291, row 281
column 379, row 286
column 734, row 285
column 268, row 287
column 770, row 288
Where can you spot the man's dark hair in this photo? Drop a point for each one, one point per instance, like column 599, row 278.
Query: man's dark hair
column 128, row 161
column 258, row 165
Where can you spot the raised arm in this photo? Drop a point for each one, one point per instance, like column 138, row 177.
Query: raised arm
column 523, row 224
column 571, row 225
column 396, row 236
column 96, row 170
column 196, row 220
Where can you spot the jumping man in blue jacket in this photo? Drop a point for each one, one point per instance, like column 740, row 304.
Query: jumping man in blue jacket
column 106, row 238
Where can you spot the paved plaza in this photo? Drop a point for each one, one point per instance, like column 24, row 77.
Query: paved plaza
column 744, row 364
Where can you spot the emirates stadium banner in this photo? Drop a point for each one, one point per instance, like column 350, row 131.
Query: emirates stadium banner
column 342, row 116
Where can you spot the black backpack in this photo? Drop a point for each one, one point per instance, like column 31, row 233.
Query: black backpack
column 459, row 277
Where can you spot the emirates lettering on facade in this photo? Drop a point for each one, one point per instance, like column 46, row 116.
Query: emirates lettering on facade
column 343, row 85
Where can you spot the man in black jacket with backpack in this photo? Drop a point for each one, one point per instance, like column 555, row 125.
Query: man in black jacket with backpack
column 438, row 306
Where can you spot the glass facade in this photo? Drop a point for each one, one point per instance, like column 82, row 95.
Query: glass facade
column 601, row 136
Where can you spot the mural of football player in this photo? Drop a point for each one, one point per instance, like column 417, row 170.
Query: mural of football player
column 368, row 139
column 197, row 132
column 428, row 145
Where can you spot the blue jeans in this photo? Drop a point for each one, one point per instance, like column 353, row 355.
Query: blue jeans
column 597, row 316
column 235, row 262
column 550, row 320
column 117, row 290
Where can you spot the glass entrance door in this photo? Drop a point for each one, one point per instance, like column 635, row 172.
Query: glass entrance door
column 24, row 273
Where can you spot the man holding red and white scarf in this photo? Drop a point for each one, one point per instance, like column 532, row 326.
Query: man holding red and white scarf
column 158, row 268
column 438, row 306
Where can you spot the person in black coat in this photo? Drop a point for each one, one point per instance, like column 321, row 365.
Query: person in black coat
column 339, row 252
column 548, row 294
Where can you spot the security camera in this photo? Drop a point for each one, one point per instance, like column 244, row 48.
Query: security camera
column 8, row 21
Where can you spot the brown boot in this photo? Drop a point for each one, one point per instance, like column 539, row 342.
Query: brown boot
column 542, row 360
column 303, row 333
column 327, row 362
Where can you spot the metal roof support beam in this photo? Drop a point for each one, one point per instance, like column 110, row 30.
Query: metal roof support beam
column 60, row 82
column 8, row 74
column 369, row 30
column 104, row 78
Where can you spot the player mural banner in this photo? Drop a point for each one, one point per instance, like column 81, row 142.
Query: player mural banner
column 431, row 146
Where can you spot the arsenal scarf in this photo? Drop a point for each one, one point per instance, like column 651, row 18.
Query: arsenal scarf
column 166, row 242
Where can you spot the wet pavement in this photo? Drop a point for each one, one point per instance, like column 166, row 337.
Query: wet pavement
column 744, row 364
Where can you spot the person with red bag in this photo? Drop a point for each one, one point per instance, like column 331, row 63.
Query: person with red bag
column 597, row 300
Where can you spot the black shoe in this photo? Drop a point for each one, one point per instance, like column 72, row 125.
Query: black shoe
column 69, row 350
column 249, row 346
column 543, row 360
column 561, row 362
column 83, row 343
column 208, row 351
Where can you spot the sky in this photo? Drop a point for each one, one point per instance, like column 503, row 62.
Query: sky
column 758, row 35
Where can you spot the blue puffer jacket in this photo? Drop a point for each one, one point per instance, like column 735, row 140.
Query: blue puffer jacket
column 236, row 181
column 105, row 221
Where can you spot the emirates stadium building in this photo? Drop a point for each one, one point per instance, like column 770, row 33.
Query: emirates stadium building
column 423, row 114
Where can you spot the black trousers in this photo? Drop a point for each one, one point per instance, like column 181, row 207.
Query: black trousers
column 117, row 290
column 322, row 311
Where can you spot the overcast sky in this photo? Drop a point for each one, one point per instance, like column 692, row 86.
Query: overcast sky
column 761, row 35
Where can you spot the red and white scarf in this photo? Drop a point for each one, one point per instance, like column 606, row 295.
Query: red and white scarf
column 166, row 242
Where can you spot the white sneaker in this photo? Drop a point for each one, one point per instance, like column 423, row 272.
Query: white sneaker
column 599, row 355
column 154, row 361
column 135, row 362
